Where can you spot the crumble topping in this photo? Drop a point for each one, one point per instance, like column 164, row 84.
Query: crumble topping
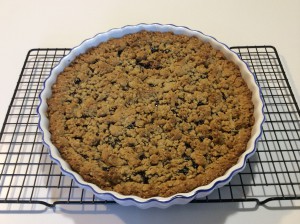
column 151, row 114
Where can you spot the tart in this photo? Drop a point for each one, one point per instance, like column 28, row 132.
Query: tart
column 151, row 114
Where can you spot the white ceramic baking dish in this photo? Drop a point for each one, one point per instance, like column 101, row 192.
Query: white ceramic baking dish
column 161, row 202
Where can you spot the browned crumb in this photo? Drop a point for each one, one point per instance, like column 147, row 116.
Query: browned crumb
column 151, row 114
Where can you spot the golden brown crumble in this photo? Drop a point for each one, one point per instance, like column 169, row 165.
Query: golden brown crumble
column 151, row 114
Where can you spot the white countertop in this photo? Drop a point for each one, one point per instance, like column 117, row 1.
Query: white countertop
column 51, row 24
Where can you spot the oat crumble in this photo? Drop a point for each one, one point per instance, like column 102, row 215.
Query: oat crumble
column 151, row 114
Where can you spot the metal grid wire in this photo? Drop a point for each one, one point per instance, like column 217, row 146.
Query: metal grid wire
column 27, row 175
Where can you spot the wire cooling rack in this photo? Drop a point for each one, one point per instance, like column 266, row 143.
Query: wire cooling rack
column 28, row 176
